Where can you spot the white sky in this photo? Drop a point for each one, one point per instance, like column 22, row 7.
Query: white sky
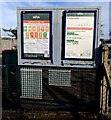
column 8, row 16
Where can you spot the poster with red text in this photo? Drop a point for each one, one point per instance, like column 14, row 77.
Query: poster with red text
column 79, row 35
column 36, row 33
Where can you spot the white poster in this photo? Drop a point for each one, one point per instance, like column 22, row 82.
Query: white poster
column 79, row 35
column 36, row 34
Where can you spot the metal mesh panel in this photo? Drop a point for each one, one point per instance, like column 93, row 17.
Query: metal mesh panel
column 31, row 82
column 55, row 94
column 60, row 77
column 79, row 95
column 84, row 84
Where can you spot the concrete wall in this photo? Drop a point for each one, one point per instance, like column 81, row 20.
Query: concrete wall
column 7, row 43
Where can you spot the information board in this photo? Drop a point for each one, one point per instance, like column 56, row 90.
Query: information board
column 61, row 37
column 36, row 34
column 79, row 34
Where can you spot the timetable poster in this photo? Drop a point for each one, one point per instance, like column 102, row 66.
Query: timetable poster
column 36, row 34
column 79, row 35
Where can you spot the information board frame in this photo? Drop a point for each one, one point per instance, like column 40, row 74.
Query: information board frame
column 64, row 34
column 50, row 34
column 57, row 39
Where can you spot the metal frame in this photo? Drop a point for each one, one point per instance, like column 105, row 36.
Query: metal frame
column 57, row 14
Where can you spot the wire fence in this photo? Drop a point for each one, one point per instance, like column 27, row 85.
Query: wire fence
column 54, row 88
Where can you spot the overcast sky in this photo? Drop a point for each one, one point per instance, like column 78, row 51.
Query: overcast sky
column 8, row 16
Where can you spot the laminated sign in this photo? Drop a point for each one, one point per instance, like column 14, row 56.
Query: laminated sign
column 36, row 34
column 79, row 34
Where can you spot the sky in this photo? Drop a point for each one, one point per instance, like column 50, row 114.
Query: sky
column 8, row 8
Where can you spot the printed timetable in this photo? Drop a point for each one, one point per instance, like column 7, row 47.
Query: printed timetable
column 79, row 35
column 36, row 34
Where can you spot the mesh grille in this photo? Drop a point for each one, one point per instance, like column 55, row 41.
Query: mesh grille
column 31, row 83
column 59, row 77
